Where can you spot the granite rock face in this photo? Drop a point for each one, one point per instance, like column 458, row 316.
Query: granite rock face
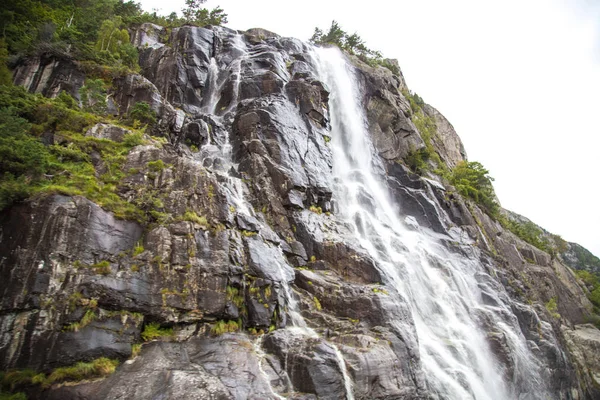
column 267, row 291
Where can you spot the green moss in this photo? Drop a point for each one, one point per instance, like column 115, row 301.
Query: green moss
column 317, row 304
column 380, row 290
column 153, row 331
column 315, row 209
column 249, row 233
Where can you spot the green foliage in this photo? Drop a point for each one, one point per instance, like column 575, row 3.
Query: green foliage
column 472, row 180
column 527, row 231
column 13, row 396
column 102, row 267
column 20, row 153
column 27, row 167
column 317, row 303
column 585, row 258
column 221, row 327
column 156, row 166
column 93, row 96
column 62, row 26
column 89, row 317
column 138, row 249
column 233, row 295
column 353, row 44
column 194, row 14
column 82, row 370
column 5, row 74
column 193, row 217
column 421, row 160
column 142, row 112
column 153, row 331
column 315, row 209
column 133, row 139
column 551, row 306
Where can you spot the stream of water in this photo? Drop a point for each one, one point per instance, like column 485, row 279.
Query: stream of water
column 443, row 289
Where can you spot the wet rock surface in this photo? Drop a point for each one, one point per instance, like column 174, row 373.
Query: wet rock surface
column 243, row 225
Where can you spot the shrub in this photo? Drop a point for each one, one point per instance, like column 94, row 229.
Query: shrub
column 133, row 139
column 142, row 112
column 93, row 96
column 20, row 153
column 472, row 180
column 156, row 166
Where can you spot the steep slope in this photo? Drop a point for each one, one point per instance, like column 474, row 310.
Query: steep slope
column 268, row 268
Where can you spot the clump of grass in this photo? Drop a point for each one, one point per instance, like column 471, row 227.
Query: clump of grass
column 552, row 307
column 136, row 348
column 233, row 295
column 193, row 217
column 156, row 166
column 138, row 249
column 221, row 327
column 102, row 267
column 153, row 331
column 378, row 290
column 89, row 317
column 80, row 371
column 98, row 368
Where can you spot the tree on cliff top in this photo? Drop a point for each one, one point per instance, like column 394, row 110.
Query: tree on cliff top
column 194, row 14
column 353, row 44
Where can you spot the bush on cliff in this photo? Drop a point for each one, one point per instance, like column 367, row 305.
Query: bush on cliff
column 472, row 180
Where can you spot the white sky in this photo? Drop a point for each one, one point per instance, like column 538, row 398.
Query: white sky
column 519, row 80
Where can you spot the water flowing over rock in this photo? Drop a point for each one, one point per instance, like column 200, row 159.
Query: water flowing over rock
column 292, row 253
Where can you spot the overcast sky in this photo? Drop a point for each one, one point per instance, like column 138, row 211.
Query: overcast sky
column 519, row 80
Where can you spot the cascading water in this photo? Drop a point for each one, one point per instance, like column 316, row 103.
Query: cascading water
column 235, row 190
column 443, row 289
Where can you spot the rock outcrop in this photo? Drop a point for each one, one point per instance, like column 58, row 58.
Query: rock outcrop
column 246, row 239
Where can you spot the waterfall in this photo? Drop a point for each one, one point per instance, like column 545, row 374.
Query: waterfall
column 234, row 188
column 443, row 289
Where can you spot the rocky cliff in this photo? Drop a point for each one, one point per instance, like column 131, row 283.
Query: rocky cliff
column 248, row 279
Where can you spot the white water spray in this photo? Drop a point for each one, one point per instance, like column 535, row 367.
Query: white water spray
column 441, row 288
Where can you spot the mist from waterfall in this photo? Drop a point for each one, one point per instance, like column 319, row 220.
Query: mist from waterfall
column 443, row 289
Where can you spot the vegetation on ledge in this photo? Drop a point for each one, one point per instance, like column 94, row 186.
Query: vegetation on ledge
column 353, row 44
column 19, row 379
